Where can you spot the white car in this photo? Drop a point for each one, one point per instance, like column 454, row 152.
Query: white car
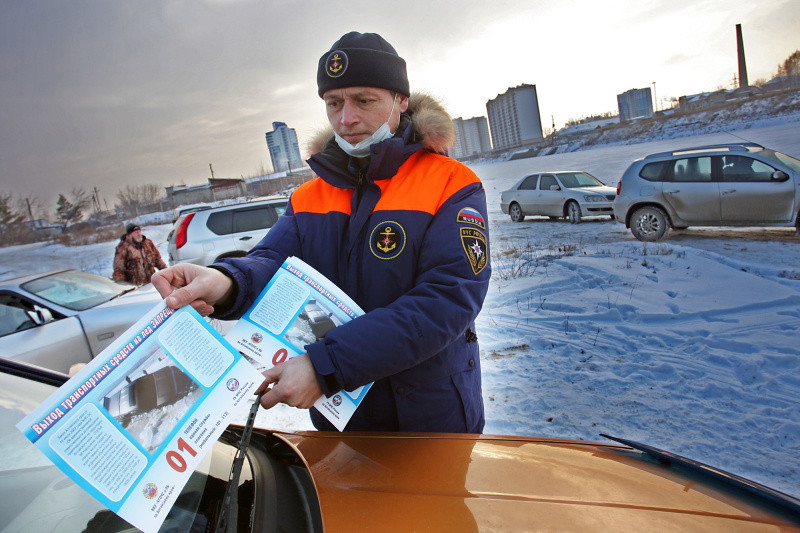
column 58, row 319
column 572, row 194
column 202, row 237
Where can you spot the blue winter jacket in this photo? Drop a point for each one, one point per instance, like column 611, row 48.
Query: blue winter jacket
column 407, row 239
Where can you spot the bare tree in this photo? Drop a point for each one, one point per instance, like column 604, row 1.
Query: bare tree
column 790, row 67
column 71, row 211
column 133, row 196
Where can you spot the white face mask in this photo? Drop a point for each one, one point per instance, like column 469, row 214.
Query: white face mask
column 362, row 148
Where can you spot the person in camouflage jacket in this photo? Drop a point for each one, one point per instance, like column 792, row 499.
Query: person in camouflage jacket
column 136, row 257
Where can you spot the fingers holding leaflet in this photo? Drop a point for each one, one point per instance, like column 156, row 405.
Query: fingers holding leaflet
column 188, row 284
column 294, row 383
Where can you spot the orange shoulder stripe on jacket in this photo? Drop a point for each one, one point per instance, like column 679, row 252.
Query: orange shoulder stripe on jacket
column 316, row 196
column 424, row 183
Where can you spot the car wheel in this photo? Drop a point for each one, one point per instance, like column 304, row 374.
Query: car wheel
column 574, row 212
column 516, row 213
column 649, row 224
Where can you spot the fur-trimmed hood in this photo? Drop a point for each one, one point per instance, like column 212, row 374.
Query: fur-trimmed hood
column 432, row 126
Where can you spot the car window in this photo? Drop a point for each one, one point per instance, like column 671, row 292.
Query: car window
column 692, row 169
column 574, row 180
column 781, row 159
column 221, row 223
column 548, row 181
column 529, row 183
column 742, row 168
column 653, row 171
column 254, row 219
column 13, row 315
column 76, row 290
column 40, row 497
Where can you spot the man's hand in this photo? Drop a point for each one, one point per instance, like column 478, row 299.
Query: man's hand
column 294, row 382
column 188, row 284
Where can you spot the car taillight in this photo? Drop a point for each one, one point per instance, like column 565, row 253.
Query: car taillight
column 180, row 237
column 619, row 186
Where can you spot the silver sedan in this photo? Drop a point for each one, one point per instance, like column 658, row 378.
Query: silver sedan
column 570, row 194
column 58, row 319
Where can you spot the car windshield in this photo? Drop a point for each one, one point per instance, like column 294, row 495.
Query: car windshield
column 574, row 180
column 76, row 290
column 38, row 496
column 784, row 159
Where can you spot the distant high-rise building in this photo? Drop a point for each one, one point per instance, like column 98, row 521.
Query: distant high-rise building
column 283, row 148
column 472, row 137
column 514, row 117
column 635, row 103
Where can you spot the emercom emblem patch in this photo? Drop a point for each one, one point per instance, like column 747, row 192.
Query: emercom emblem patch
column 387, row 240
column 474, row 243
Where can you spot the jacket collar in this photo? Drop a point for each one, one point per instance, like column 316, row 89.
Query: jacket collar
column 340, row 170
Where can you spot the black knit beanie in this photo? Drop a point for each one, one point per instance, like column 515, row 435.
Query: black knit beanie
column 362, row 60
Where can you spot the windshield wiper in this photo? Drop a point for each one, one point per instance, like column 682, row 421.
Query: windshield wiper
column 786, row 501
column 229, row 514
column 126, row 291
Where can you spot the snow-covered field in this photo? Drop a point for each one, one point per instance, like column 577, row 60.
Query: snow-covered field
column 692, row 345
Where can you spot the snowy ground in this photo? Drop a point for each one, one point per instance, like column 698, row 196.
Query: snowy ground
column 689, row 345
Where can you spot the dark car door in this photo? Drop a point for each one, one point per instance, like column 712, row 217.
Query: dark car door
column 250, row 224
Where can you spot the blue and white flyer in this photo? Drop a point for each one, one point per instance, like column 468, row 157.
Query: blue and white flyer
column 132, row 425
column 296, row 308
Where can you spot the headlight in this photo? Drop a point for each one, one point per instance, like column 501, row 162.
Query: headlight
column 595, row 198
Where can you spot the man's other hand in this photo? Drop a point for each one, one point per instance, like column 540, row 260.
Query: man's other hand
column 294, row 382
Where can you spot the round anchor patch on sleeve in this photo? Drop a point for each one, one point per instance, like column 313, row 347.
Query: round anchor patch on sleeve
column 387, row 240
column 474, row 243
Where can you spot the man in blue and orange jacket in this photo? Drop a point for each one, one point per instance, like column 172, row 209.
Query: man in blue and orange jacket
column 401, row 229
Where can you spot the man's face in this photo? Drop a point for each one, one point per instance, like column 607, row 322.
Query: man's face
column 136, row 235
column 355, row 113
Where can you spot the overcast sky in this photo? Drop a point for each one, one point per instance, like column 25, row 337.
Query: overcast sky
column 108, row 93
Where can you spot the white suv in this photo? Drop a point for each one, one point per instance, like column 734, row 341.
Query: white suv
column 202, row 237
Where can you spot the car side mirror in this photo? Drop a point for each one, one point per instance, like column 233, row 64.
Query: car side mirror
column 780, row 175
column 555, row 188
column 40, row 315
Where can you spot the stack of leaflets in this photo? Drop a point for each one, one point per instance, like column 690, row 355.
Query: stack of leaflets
column 298, row 307
column 132, row 426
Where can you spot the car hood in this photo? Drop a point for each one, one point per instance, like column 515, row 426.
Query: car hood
column 107, row 321
column 142, row 295
column 604, row 190
column 485, row 483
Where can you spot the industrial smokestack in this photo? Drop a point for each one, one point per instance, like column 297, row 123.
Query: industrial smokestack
column 742, row 65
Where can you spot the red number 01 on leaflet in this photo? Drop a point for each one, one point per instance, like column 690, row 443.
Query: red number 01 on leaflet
column 176, row 460
column 280, row 356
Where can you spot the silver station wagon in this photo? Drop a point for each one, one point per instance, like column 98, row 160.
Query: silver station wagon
column 740, row 184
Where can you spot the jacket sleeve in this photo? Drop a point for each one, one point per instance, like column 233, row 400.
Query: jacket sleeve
column 158, row 261
column 253, row 272
column 119, row 263
column 447, row 296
